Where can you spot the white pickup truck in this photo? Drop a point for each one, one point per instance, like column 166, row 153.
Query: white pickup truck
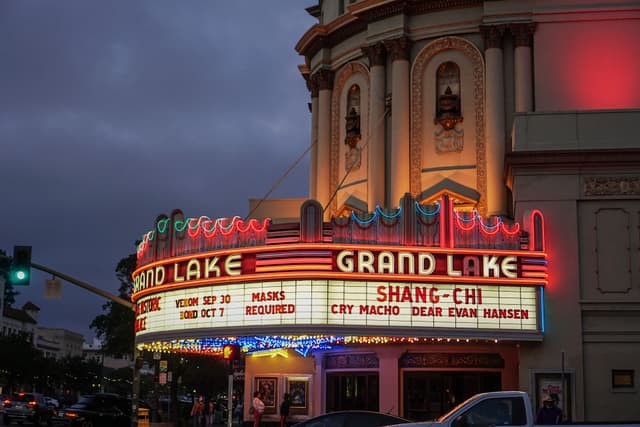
column 497, row 408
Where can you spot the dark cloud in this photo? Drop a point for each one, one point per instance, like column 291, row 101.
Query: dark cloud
column 113, row 112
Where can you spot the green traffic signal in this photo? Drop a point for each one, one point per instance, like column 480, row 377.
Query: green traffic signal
column 20, row 270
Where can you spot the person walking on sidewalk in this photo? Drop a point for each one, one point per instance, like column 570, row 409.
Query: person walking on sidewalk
column 258, row 408
column 197, row 412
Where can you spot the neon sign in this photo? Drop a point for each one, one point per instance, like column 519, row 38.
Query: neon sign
column 410, row 309
column 334, row 261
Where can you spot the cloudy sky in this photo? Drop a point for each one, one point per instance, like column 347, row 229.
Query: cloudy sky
column 112, row 112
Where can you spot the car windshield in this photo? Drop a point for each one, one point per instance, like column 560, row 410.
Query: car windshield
column 447, row 414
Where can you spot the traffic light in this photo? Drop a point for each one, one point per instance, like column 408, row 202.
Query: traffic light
column 20, row 271
column 231, row 352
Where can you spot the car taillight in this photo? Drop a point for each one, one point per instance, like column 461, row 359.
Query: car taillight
column 71, row 414
column 32, row 403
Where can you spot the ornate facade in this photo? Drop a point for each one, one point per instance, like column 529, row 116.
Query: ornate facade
column 473, row 222
column 505, row 107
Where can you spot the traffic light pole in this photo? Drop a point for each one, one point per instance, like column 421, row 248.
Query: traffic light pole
column 136, row 353
column 116, row 299
column 81, row 284
column 84, row 285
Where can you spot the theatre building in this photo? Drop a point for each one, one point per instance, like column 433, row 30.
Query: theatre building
column 473, row 219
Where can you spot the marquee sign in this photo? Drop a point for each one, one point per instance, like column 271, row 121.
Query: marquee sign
column 333, row 261
column 404, row 308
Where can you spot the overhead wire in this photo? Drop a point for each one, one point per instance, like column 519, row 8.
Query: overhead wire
column 277, row 183
column 364, row 145
column 299, row 159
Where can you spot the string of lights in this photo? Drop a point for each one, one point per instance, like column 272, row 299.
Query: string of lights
column 302, row 344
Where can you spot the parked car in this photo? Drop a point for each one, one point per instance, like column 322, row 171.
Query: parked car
column 101, row 409
column 26, row 406
column 499, row 408
column 352, row 418
column 53, row 402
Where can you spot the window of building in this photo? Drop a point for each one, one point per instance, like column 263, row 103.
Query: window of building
column 448, row 107
column 352, row 119
column 622, row 379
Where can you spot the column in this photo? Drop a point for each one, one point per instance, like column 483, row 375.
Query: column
column 324, row 81
column 399, row 165
column 376, row 172
column 313, row 161
column 495, row 133
column 522, row 65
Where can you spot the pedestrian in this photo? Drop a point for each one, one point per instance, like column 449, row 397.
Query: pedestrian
column 239, row 412
column 284, row 409
column 549, row 413
column 197, row 412
column 258, row 408
column 209, row 412
column 218, row 412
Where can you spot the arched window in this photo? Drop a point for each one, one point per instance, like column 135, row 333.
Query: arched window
column 352, row 119
column 448, row 111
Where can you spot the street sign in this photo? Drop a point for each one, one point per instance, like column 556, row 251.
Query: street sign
column 53, row 288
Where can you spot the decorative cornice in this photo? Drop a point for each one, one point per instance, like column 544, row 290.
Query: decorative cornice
column 324, row 36
column 360, row 15
column 323, row 79
column 376, row 53
column 628, row 158
column 399, row 48
column 522, row 33
column 492, row 35
column 409, row 7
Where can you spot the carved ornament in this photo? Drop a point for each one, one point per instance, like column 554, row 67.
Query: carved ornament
column 612, row 186
column 417, row 104
column 339, row 89
column 345, row 361
column 399, row 48
column 323, row 79
column 451, row 360
column 522, row 33
column 492, row 35
column 376, row 53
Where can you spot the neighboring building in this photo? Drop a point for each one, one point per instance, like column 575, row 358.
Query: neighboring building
column 512, row 262
column 53, row 342
column 59, row 343
column 94, row 352
column 20, row 321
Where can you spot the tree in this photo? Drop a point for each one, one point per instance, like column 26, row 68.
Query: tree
column 115, row 327
column 19, row 360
